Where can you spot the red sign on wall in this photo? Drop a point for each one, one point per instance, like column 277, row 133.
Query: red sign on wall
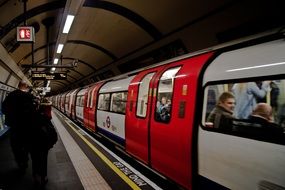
column 25, row 34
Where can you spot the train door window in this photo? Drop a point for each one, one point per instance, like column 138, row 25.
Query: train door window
column 118, row 102
column 104, row 102
column 164, row 95
column 251, row 109
column 67, row 99
column 143, row 95
column 80, row 101
column 88, row 99
column 92, row 97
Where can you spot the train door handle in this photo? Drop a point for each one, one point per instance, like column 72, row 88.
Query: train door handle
column 181, row 111
column 131, row 105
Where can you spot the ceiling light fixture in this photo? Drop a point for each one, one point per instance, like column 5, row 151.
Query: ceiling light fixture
column 68, row 24
column 55, row 61
column 59, row 48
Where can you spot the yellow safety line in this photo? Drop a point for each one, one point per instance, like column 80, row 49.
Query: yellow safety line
column 106, row 160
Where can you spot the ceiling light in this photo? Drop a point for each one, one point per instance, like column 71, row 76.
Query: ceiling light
column 59, row 48
column 48, row 82
column 55, row 61
column 68, row 23
column 53, row 69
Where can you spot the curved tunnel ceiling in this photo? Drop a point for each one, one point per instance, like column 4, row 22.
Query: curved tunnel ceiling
column 110, row 37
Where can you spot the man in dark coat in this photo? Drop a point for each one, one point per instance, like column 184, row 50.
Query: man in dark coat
column 222, row 111
column 263, row 115
column 19, row 109
column 25, row 122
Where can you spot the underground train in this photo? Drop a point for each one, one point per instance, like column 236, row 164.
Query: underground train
column 158, row 115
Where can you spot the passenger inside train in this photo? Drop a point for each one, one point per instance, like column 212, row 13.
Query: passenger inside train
column 262, row 122
column 247, row 95
column 224, row 109
column 104, row 101
column 163, row 109
column 263, row 114
column 118, row 102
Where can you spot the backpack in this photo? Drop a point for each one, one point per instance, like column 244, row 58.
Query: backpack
column 48, row 133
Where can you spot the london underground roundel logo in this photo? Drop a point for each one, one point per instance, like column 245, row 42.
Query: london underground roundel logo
column 108, row 121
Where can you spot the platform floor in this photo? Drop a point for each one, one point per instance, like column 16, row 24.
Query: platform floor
column 61, row 172
column 76, row 162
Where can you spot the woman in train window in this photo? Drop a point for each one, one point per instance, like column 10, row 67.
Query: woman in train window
column 222, row 111
column 246, row 95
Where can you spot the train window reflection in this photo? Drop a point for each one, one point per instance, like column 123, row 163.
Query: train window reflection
column 253, row 109
column 104, row 102
column 118, row 102
column 80, row 101
column 164, row 95
column 143, row 95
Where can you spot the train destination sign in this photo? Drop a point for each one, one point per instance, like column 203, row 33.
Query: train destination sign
column 48, row 76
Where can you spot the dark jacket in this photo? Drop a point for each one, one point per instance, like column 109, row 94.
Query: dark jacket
column 218, row 116
column 19, row 110
column 266, row 127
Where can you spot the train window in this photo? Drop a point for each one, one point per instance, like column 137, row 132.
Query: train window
column 77, row 100
column 143, row 95
column 164, row 95
column 118, row 102
column 253, row 109
column 67, row 99
column 91, row 97
column 104, row 102
column 88, row 99
column 80, row 101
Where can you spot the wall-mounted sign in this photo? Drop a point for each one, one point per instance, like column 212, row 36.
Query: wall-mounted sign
column 48, row 76
column 25, row 34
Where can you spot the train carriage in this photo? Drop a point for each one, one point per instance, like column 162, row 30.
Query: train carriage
column 57, row 105
column 80, row 103
column 167, row 139
column 90, row 108
column 159, row 115
column 62, row 102
column 72, row 102
column 110, row 116
column 66, row 103
column 243, row 159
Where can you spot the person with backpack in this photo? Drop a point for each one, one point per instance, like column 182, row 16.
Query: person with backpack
column 26, row 132
column 18, row 108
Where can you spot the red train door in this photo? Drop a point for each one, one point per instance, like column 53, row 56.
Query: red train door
column 87, row 107
column 90, row 109
column 138, row 114
column 172, row 118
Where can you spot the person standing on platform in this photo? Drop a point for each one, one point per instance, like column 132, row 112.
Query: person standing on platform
column 25, row 123
column 19, row 109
